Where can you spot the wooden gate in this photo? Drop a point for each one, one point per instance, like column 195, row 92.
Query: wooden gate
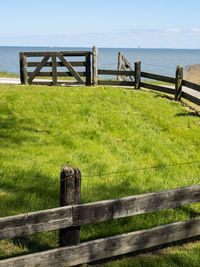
column 53, row 61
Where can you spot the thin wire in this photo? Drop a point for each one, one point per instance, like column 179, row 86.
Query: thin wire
column 111, row 173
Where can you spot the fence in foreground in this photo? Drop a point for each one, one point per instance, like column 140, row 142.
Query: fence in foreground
column 71, row 215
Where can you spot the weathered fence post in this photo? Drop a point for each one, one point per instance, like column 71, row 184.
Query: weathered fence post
column 70, row 194
column 23, row 68
column 178, row 83
column 95, row 65
column 54, row 70
column 137, row 74
column 119, row 67
column 88, row 69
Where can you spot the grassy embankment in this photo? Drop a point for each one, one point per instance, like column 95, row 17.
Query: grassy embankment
column 99, row 130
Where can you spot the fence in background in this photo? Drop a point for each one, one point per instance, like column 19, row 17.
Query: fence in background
column 125, row 74
column 71, row 215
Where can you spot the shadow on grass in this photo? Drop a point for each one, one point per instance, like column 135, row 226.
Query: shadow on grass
column 189, row 114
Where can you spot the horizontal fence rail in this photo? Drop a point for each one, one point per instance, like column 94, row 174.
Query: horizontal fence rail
column 158, row 88
column 108, row 247
column 158, row 77
column 71, row 215
column 77, row 215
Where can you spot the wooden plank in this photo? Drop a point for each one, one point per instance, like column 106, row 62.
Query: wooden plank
column 108, row 247
column 178, row 83
column 158, row 88
column 191, row 85
column 124, row 78
column 60, row 74
column 70, row 194
column 54, row 70
column 70, row 68
column 116, row 72
column 127, row 63
column 51, row 53
column 95, row 65
column 88, row 70
column 35, row 222
column 133, row 205
column 131, row 77
column 191, row 98
column 58, row 64
column 37, row 69
column 121, row 83
column 158, row 77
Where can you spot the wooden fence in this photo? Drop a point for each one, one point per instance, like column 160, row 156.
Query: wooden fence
column 125, row 71
column 126, row 76
column 72, row 215
column 54, row 60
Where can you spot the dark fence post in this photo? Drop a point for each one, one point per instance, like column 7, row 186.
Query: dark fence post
column 178, row 83
column 23, row 68
column 137, row 74
column 95, row 65
column 119, row 67
column 70, row 194
column 88, row 69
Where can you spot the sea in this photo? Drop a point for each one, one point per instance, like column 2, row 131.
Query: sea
column 158, row 61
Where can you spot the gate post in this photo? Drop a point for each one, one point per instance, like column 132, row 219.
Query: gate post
column 137, row 74
column 95, row 65
column 70, row 194
column 23, row 68
column 119, row 66
column 88, row 69
column 178, row 83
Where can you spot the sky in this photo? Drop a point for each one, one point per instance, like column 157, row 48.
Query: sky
column 104, row 23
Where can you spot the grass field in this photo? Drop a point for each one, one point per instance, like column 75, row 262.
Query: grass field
column 98, row 130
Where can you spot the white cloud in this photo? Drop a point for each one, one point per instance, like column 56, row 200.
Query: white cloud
column 196, row 30
column 174, row 30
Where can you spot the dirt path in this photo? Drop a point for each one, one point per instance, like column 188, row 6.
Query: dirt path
column 17, row 81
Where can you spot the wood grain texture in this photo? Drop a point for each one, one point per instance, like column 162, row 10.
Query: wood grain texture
column 158, row 88
column 119, row 65
column 108, row 247
column 178, row 83
column 35, row 222
column 133, row 205
column 70, row 194
column 95, row 65
column 158, row 77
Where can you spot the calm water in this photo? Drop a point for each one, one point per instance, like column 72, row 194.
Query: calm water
column 160, row 61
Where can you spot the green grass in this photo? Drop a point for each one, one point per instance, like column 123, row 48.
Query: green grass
column 98, row 130
column 5, row 74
